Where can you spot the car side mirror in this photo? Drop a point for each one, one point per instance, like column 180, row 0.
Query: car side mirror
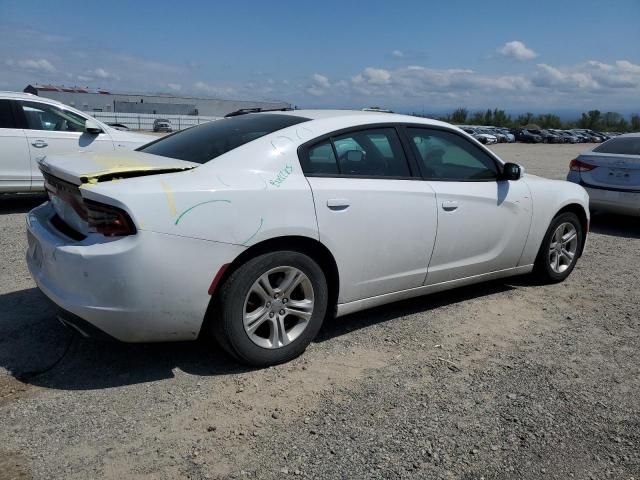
column 512, row 171
column 354, row 155
column 92, row 127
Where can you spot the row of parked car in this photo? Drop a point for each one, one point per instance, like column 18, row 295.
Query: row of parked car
column 489, row 135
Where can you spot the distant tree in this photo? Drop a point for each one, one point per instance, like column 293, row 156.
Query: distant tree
column 501, row 119
column 622, row 126
column 591, row 120
column 459, row 116
column 477, row 119
column 611, row 120
column 488, row 117
column 524, row 119
column 548, row 120
column 635, row 123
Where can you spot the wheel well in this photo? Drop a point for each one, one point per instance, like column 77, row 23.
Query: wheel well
column 579, row 211
column 309, row 246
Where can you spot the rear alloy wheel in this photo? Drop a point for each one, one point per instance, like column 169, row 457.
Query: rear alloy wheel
column 271, row 308
column 560, row 248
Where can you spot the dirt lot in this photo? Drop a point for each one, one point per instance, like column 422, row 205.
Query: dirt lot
column 504, row 380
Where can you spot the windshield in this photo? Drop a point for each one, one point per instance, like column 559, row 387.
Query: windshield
column 210, row 140
column 620, row 145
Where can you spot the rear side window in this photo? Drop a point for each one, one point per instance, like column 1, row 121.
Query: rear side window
column 447, row 156
column 363, row 153
column 620, row 145
column 322, row 160
column 6, row 115
column 210, row 140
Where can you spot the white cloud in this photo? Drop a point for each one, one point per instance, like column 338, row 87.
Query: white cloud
column 35, row 65
column 102, row 74
column 517, row 50
column 372, row 76
column 320, row 80
column 315, row 91
column 176, row 87
column 397, row 53
column 590, row 76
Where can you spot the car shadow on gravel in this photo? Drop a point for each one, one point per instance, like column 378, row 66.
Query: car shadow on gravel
column 616, row 225
column 20, row 202
column 367, row 318
column 38, row 350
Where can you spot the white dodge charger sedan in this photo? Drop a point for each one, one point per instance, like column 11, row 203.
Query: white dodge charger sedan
column 254, row 228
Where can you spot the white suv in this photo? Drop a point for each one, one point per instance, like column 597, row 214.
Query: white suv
column 33, row 127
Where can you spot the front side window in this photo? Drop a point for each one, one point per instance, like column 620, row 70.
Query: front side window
column 210, row 140
column 6, row 115
column 447, row 156
column 364, row 153
column 620, row 145
column 40, row 116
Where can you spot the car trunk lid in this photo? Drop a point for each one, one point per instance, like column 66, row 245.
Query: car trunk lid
column 65, row 176
column 612, row 170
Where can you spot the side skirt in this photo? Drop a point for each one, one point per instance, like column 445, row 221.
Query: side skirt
column 365, row 303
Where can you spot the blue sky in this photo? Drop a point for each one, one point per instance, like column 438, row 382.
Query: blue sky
column 410, row 55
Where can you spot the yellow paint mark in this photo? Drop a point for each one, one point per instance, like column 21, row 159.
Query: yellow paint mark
column 170, row 198
column 119, row 164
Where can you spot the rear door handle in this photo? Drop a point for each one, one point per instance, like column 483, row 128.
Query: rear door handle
column 449, row 206
column 40, row 144
column 338, row 204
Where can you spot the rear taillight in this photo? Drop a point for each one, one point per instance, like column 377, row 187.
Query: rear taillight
column 578, row 166
column 108, row 220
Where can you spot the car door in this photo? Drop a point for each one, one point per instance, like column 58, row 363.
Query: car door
column 376, row 217
column 483, row 221
column 51, row 129
column 15, row 171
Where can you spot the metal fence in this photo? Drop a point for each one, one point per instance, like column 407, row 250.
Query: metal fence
column 144, row 121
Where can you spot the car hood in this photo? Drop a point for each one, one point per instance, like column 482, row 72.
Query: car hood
column 89, row 168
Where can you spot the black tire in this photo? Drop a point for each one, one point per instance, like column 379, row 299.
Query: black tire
column 228, row 328
column 542, row 267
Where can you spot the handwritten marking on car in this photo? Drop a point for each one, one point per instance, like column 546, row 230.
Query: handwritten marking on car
column 197, row 205
column 283, row 174
column 255, row 233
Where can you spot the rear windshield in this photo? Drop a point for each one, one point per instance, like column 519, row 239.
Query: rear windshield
column 210, row 140
column 622, row 145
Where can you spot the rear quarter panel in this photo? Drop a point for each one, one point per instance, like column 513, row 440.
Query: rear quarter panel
column 253, row 193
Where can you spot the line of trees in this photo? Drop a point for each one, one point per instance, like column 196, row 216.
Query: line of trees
column 593, row 119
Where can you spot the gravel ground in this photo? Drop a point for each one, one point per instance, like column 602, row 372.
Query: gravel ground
column 502, row 380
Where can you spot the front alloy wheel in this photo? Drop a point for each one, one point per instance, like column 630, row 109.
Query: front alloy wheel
column 563, row 247
column 560, row 248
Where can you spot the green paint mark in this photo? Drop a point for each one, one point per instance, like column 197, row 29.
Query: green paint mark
column 254, row 233
column 197, row 205
column 283, row 174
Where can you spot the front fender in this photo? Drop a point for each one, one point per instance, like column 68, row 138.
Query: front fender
column 548, row 198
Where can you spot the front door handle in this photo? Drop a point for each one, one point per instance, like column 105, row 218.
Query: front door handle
column 338, row 204
column 449, row 206
column 40, row 144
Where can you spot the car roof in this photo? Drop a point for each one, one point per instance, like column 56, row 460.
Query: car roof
column 358, row 115
column 27, row 96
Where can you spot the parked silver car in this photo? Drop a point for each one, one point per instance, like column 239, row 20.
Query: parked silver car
column 161, row 125
column 611, row 175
